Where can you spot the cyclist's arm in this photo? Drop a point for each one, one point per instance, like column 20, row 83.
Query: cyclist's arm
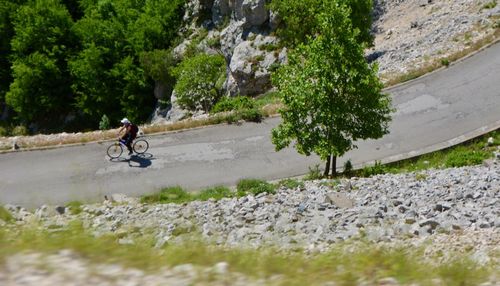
column 120, row 130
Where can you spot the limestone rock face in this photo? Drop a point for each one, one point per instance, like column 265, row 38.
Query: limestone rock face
column 242, row 29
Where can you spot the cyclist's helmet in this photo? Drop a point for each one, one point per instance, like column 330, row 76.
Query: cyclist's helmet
column 125, row 121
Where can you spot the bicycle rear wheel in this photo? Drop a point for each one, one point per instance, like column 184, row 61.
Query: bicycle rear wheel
column 140, row 146
column 115, row 150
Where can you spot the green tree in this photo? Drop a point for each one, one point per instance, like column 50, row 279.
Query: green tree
column 300, row 21
column 38, row 93
column 332, row 97
column 7, row 9
column 199, row 81
column 41, row 44
column 109, row 74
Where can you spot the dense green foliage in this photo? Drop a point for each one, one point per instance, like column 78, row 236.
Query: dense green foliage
column 41, row 44
column 159, row 65
column 199, row 81
column 83, row 59
column 300, row 18
column 233, row 103
column 114, row 35
column 332, row 97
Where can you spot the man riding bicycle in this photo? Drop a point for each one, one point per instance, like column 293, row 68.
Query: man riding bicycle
column 130, row 133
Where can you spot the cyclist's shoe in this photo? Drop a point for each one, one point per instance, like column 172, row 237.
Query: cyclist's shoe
column 130, row 152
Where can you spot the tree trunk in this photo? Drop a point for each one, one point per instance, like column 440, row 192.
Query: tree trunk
column 334, row 166
column 327, row 166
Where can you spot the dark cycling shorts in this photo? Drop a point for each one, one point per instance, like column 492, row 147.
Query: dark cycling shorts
column 128, row 138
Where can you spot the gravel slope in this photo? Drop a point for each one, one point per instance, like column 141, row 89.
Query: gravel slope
column 442, row 211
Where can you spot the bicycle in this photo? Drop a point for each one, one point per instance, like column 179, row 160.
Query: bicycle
column 115, row 150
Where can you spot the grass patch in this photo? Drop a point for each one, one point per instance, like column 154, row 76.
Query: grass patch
column 462, row 156
column 5, row 215
column 291, row 184
column 168, row 195
column 254, row 187
column 216, row 193
column 178, row 195
column 75, row 207
column 346, row 264
column 268, row 98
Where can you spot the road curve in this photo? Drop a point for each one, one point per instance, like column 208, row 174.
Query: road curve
column 435, row 111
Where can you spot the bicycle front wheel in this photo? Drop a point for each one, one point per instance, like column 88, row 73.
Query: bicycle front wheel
column 115, row 150
column 140, row 146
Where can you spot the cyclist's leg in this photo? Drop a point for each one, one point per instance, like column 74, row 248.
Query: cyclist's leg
column 128, row 142
column 131, row 138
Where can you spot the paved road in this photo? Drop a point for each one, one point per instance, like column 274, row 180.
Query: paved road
column 433, row 112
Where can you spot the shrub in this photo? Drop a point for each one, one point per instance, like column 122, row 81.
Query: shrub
column 104, row 124
column 168, row 195
column 199, row 81
column 376, row 169
column 254, row 186
column 3, row 131
column 253, row 115
column 214, row 193
column 445, row 62
column 20, row 130
column 233, row 103
column 291, row 184
column 462, row 157
column 348, row 167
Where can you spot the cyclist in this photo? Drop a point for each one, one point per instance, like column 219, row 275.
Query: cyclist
column 130, row 133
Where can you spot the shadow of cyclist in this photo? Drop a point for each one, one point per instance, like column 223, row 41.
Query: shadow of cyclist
column 140, row 160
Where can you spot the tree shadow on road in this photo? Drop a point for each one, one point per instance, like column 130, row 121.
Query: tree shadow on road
column 136, row 160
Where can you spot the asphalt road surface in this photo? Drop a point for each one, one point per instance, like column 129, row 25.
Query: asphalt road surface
column 435, row 111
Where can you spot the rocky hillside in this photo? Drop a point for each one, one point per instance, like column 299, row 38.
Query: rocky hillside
column 409, row 35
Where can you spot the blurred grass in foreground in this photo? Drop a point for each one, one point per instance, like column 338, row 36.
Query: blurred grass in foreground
column 346, row 263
